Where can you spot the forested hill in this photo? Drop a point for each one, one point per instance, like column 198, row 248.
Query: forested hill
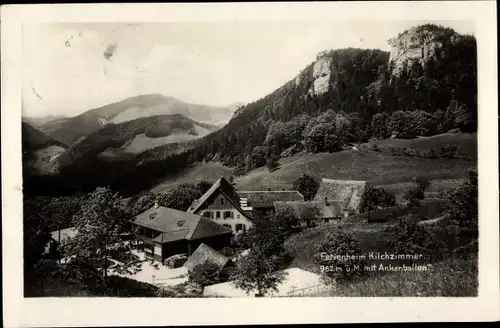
column 425, row 85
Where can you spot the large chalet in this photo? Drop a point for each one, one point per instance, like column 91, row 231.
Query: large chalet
column 165, row 232
column 234, row 209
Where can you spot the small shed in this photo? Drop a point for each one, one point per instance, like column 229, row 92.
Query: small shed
column 205, row 253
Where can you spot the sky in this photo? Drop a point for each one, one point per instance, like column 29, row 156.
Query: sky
column 71, row 68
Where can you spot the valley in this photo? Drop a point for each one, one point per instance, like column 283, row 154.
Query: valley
column 368, row 150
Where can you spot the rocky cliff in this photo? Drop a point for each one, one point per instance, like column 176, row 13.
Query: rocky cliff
column 322, row 75
column 419, row 45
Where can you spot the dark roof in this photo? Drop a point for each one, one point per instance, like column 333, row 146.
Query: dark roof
column 267, row 198
column 207, row 228
column 224, row 187
column 348, row 192
column 166, row 237
column 174, row 224
column 302, row 209
column 206, row 253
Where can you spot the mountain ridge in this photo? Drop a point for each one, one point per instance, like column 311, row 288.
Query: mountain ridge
column 77, row 127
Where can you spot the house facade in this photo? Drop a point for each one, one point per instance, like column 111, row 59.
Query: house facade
column 313, row 213
column 221, row 204
column 262, row 202
column 165, row 232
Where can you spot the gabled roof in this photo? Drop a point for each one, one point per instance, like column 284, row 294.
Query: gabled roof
column 224, row 187
column 303, row 209
column 175, row 225
column 348, row 192
column 206, row 253
column 267, row 198
column 207, row 228
column 65, row 234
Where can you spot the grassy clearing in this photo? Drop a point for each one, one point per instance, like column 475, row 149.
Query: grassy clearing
column 376, row 168
column 436, row 189
column 202, row 172
column 466, row 141
column 370, row 235
column 453, row 277
column 379, row 169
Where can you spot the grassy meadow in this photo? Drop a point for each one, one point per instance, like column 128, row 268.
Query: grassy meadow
column 450, row 278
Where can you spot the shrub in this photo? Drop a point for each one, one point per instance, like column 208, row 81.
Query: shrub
column 204, row 274
column 374, row 198
column 410, row 152
column 422, row 183
column 375, row 147
column 450, row 151
column 463, row 206
column 338, row 257
column 414, row 193
column 432, row 153
column 272, row 163
column 307, row 186
column 408, row 237
column 175, row 261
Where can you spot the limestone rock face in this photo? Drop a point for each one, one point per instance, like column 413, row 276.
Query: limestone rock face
column 417, row 45
column 322, row 74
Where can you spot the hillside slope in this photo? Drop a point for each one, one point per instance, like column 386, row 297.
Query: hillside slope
column 39, row 150
column 41, row 120
column 75, row 128
column 366, row 93
column 136, row 136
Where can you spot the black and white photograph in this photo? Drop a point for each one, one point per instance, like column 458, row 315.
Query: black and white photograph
column 250, row 159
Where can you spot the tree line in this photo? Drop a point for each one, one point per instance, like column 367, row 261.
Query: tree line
column 364, row 101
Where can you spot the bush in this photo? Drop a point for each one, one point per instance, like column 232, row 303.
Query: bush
column 450, row 151
column 410, row 152
column 414, row 193
column 463, row 206
column 175, row 261
column 409, row 238
column 307, row 186
column 205, row 274
column 339, row 253
column 422, row 183
column 375, row 198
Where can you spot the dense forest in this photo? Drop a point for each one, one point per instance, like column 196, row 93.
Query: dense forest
column 346, row 96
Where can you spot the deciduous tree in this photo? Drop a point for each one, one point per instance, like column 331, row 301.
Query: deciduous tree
column 307, row 185
column 260, row 270
column 99, row 226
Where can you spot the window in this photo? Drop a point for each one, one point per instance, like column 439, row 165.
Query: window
column 238, row 215
column 228, row 214
column 222, row 201
column 207, row 214
column 239, row 227
column 217, row 214
column 325, row 220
